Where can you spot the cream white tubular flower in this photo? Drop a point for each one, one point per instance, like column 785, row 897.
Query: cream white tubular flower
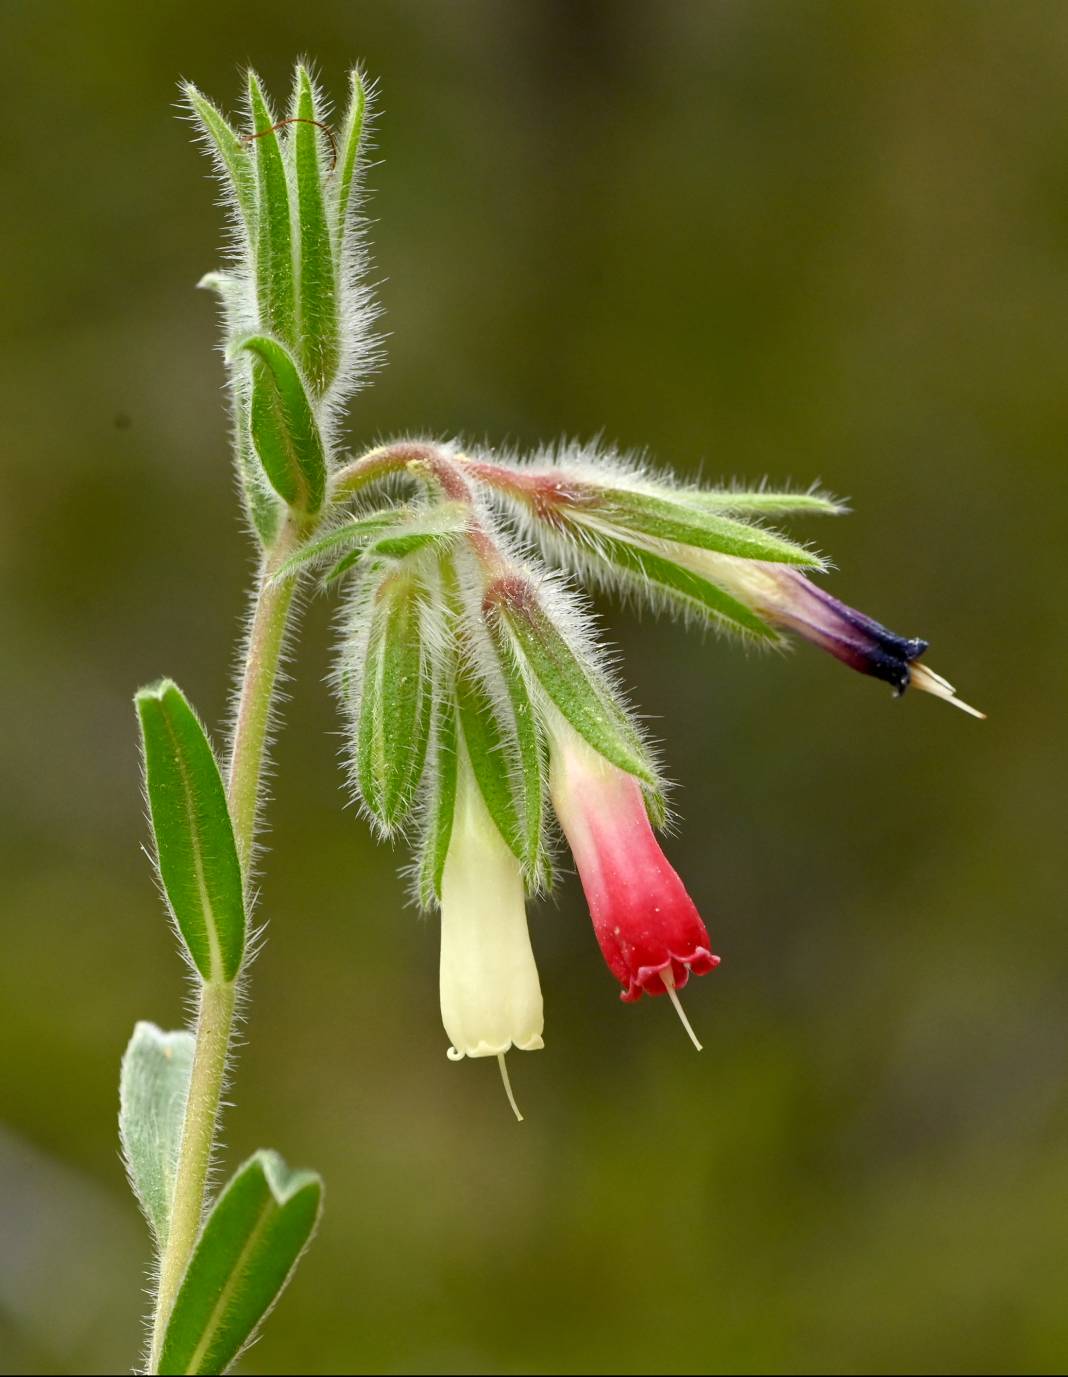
column 490, row 993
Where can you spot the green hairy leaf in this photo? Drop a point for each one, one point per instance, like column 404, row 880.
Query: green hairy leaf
column 349, row 157
column 261, row 504
column 436, row 526
column 442, row 804
column 682, row 587
column 285, row 433
column 490, row 753
column 502, row 740
column 405, row 708
column 395, row 702
column 357, row 533
column 582, row 698
column 153, row 1088
column 195, row 848
column 232, row 155
column 406, row 543
column 532, row 767
column 764, row 502
column 676, row 521
column 261, row 501
column 367, row 742
column 317, row 297
column 250, row 1244
column 275, row 288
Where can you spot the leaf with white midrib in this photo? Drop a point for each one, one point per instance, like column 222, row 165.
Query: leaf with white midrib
column 195, row 847
column 251, row 1242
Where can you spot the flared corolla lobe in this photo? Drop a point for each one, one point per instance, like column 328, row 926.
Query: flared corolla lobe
column 648, row 927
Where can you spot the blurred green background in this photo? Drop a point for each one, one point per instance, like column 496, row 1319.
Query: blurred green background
column 798, row 240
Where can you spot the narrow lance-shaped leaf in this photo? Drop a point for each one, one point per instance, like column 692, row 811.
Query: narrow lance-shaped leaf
column 672, row 520
column 490, row 754
column 249, row 1246
column 317, row 297
column 764, row 502
column 395, row 702
column 274, row 240
column 264, row 509
column 392, row 533
column 153, row 1089
column 195, row 847
column 233, row 157
column 419, row 536
column 439, row 811
column 392, row 545
column 367, row 747
column 261, row 503
column 405, row 705
column 586, row 703
column 650, row 572
column 285, row 433
column 347, row 170
column 355, row 534
column 442, row 803
column 531, row 765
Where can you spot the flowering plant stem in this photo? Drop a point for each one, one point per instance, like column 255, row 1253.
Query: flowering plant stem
column 272, row 603
column 478, row 697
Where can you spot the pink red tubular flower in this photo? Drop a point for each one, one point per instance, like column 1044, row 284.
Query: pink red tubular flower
column 649, row 930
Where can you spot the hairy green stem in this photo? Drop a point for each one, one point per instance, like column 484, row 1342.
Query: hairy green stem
column 215, row 1018
column 272, row 603
column 263, row 651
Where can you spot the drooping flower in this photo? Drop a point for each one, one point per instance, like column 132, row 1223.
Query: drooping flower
column 648, row 928
column 490, row 994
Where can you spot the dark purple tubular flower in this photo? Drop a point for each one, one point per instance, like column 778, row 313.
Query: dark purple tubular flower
column 857, row 640
column 786, row 597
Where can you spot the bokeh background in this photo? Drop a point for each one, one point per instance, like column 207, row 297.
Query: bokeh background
column 798, row 240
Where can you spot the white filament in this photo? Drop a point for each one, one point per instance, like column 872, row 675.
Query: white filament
column 508, row 1086
column 667, row 975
